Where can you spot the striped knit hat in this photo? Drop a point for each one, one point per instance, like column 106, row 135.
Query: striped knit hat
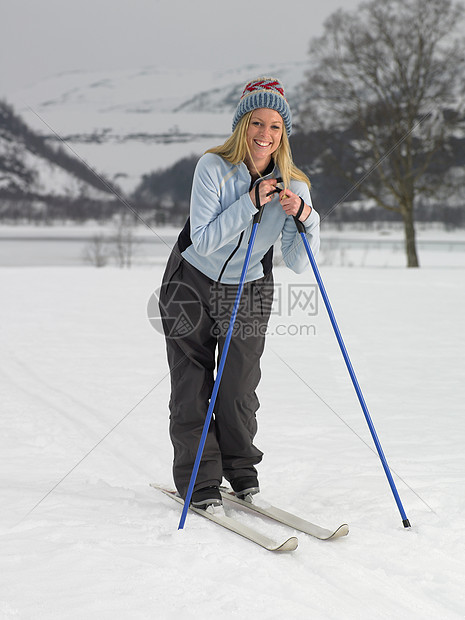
column 264, row 92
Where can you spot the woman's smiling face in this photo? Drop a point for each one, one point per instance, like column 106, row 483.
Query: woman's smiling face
column 263, row 137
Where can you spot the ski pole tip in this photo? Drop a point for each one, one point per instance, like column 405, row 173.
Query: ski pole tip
column 406, row 523
column 182, row 521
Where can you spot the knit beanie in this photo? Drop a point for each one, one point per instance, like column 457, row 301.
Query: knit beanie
column 264, row 92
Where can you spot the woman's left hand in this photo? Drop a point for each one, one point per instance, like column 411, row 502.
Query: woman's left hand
column 290, row 203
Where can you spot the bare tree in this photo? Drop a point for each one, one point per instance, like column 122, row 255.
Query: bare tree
column 96, row 251
column 125, row 242
column 387, row 80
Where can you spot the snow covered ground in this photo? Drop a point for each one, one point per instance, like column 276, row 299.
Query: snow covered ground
column 84, row 389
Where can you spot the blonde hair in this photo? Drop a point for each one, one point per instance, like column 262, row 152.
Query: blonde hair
column 235, row 150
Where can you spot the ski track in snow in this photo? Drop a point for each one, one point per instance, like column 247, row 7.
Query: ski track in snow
column 78, row 354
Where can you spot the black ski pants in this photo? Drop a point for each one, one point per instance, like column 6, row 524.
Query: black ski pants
column 195, row 313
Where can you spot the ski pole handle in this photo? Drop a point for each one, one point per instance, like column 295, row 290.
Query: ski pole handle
column 258, row 216
column 300, row 225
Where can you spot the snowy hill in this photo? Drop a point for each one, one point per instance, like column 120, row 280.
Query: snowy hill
column 29, row 166
column 130, row 122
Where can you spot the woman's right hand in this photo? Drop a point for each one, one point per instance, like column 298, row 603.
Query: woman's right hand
column 266, row 186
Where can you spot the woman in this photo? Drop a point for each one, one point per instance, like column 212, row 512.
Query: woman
column 201, row 280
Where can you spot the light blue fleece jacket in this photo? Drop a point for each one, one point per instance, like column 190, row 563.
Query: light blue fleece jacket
column 221, row 209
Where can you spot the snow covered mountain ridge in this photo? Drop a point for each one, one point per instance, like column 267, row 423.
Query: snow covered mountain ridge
column 32, row 169
column 153, row 89
column 130, row 122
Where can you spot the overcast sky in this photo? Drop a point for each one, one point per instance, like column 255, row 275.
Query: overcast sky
column 39, row 38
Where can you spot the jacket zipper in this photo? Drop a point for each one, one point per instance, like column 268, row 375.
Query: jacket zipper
column 230, row 256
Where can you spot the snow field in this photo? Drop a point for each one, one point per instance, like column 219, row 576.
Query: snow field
column 83, row 373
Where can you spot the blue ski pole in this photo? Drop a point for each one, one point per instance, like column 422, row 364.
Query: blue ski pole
column 216, row 385
column 301, row 229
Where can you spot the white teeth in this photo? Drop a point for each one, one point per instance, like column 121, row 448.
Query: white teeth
column 262, row 143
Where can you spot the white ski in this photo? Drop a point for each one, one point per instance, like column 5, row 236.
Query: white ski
column 235, row 526
column 289, row 519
